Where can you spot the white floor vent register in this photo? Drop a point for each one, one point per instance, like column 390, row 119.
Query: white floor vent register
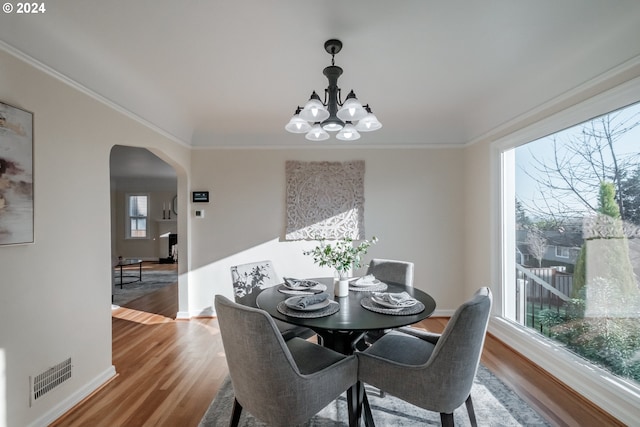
column 50, row 379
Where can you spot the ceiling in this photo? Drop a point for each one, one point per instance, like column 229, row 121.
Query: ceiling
column 231, row 73
column 135, row 168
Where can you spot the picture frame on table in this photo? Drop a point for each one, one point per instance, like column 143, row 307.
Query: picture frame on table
column 16, row 175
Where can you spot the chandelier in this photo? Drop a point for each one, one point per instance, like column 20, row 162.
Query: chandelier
column 348, row 118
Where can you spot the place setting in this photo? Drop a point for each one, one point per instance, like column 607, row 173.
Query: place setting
column 309, row 306
column 400, row 303
column 293, row 286
column 367, row 283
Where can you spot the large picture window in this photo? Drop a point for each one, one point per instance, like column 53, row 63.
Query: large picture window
column 137, row 221
column 576, row 236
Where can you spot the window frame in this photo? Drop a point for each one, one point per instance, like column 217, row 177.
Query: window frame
column 599, row 386
column 127, row 217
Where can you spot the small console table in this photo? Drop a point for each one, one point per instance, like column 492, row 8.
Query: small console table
column 128, row 263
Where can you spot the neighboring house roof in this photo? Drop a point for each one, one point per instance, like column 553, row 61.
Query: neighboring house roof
column 566, row 239
column 554, row 238
column 523, row 248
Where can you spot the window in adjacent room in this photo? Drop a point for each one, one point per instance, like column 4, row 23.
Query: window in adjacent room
column 137, row 221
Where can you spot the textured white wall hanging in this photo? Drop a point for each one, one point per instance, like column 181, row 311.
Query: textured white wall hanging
column 325, row 199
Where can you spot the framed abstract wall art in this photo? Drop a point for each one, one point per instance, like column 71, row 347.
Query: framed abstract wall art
column 16, row 175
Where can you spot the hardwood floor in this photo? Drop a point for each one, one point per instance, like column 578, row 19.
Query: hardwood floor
column 169, row 371
column 559, row 404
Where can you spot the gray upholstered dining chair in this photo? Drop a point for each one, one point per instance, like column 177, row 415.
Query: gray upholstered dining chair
column 434, row 372
column 249, row 280
column 387, row 270
column 282, row 383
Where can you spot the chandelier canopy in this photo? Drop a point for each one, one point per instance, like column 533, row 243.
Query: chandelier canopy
column 318, row 117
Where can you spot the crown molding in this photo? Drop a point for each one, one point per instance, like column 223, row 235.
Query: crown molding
column 88, row 92
column 610, row 79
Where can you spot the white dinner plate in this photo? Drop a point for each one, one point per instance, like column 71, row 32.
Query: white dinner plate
column 384, row 303
column 291, row 303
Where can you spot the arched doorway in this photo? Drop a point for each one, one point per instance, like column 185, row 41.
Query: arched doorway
column 143, row 223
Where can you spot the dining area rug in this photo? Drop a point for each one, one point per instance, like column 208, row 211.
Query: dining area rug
column 151, row 281
column 495, row 405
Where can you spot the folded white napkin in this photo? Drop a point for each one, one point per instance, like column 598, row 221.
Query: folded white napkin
column 369, row 279
column 401, row 299
column 306, row 301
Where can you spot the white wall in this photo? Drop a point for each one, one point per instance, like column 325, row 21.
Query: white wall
column 55, row 294
column 414, row 203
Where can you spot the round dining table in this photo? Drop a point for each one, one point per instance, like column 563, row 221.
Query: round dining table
column 341, row 330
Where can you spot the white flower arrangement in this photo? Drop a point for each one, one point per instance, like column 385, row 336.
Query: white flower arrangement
column 342, row 255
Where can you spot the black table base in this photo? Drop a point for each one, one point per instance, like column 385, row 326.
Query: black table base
column 341, row 341
column 138, row 277
column 344, row 342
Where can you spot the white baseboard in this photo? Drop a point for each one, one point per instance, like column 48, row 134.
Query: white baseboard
column 186, row 315
column 614, row 395
column 205, row 312
column 75, row 398
column 442, row 313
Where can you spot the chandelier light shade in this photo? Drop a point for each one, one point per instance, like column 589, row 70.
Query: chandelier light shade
column 297, row 124
column 317, row 133
column 369, row 122
column 314, row 110
column 348, row 133
column 351, row 110
column 318, row 117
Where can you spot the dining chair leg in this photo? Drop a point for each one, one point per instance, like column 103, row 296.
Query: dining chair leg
column 471, row 412
column 446, row 420
column 235, row 413
column 352, row 405
column 366, row 410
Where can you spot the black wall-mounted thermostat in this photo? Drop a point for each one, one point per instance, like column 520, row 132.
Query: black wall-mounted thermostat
column 200, row 197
